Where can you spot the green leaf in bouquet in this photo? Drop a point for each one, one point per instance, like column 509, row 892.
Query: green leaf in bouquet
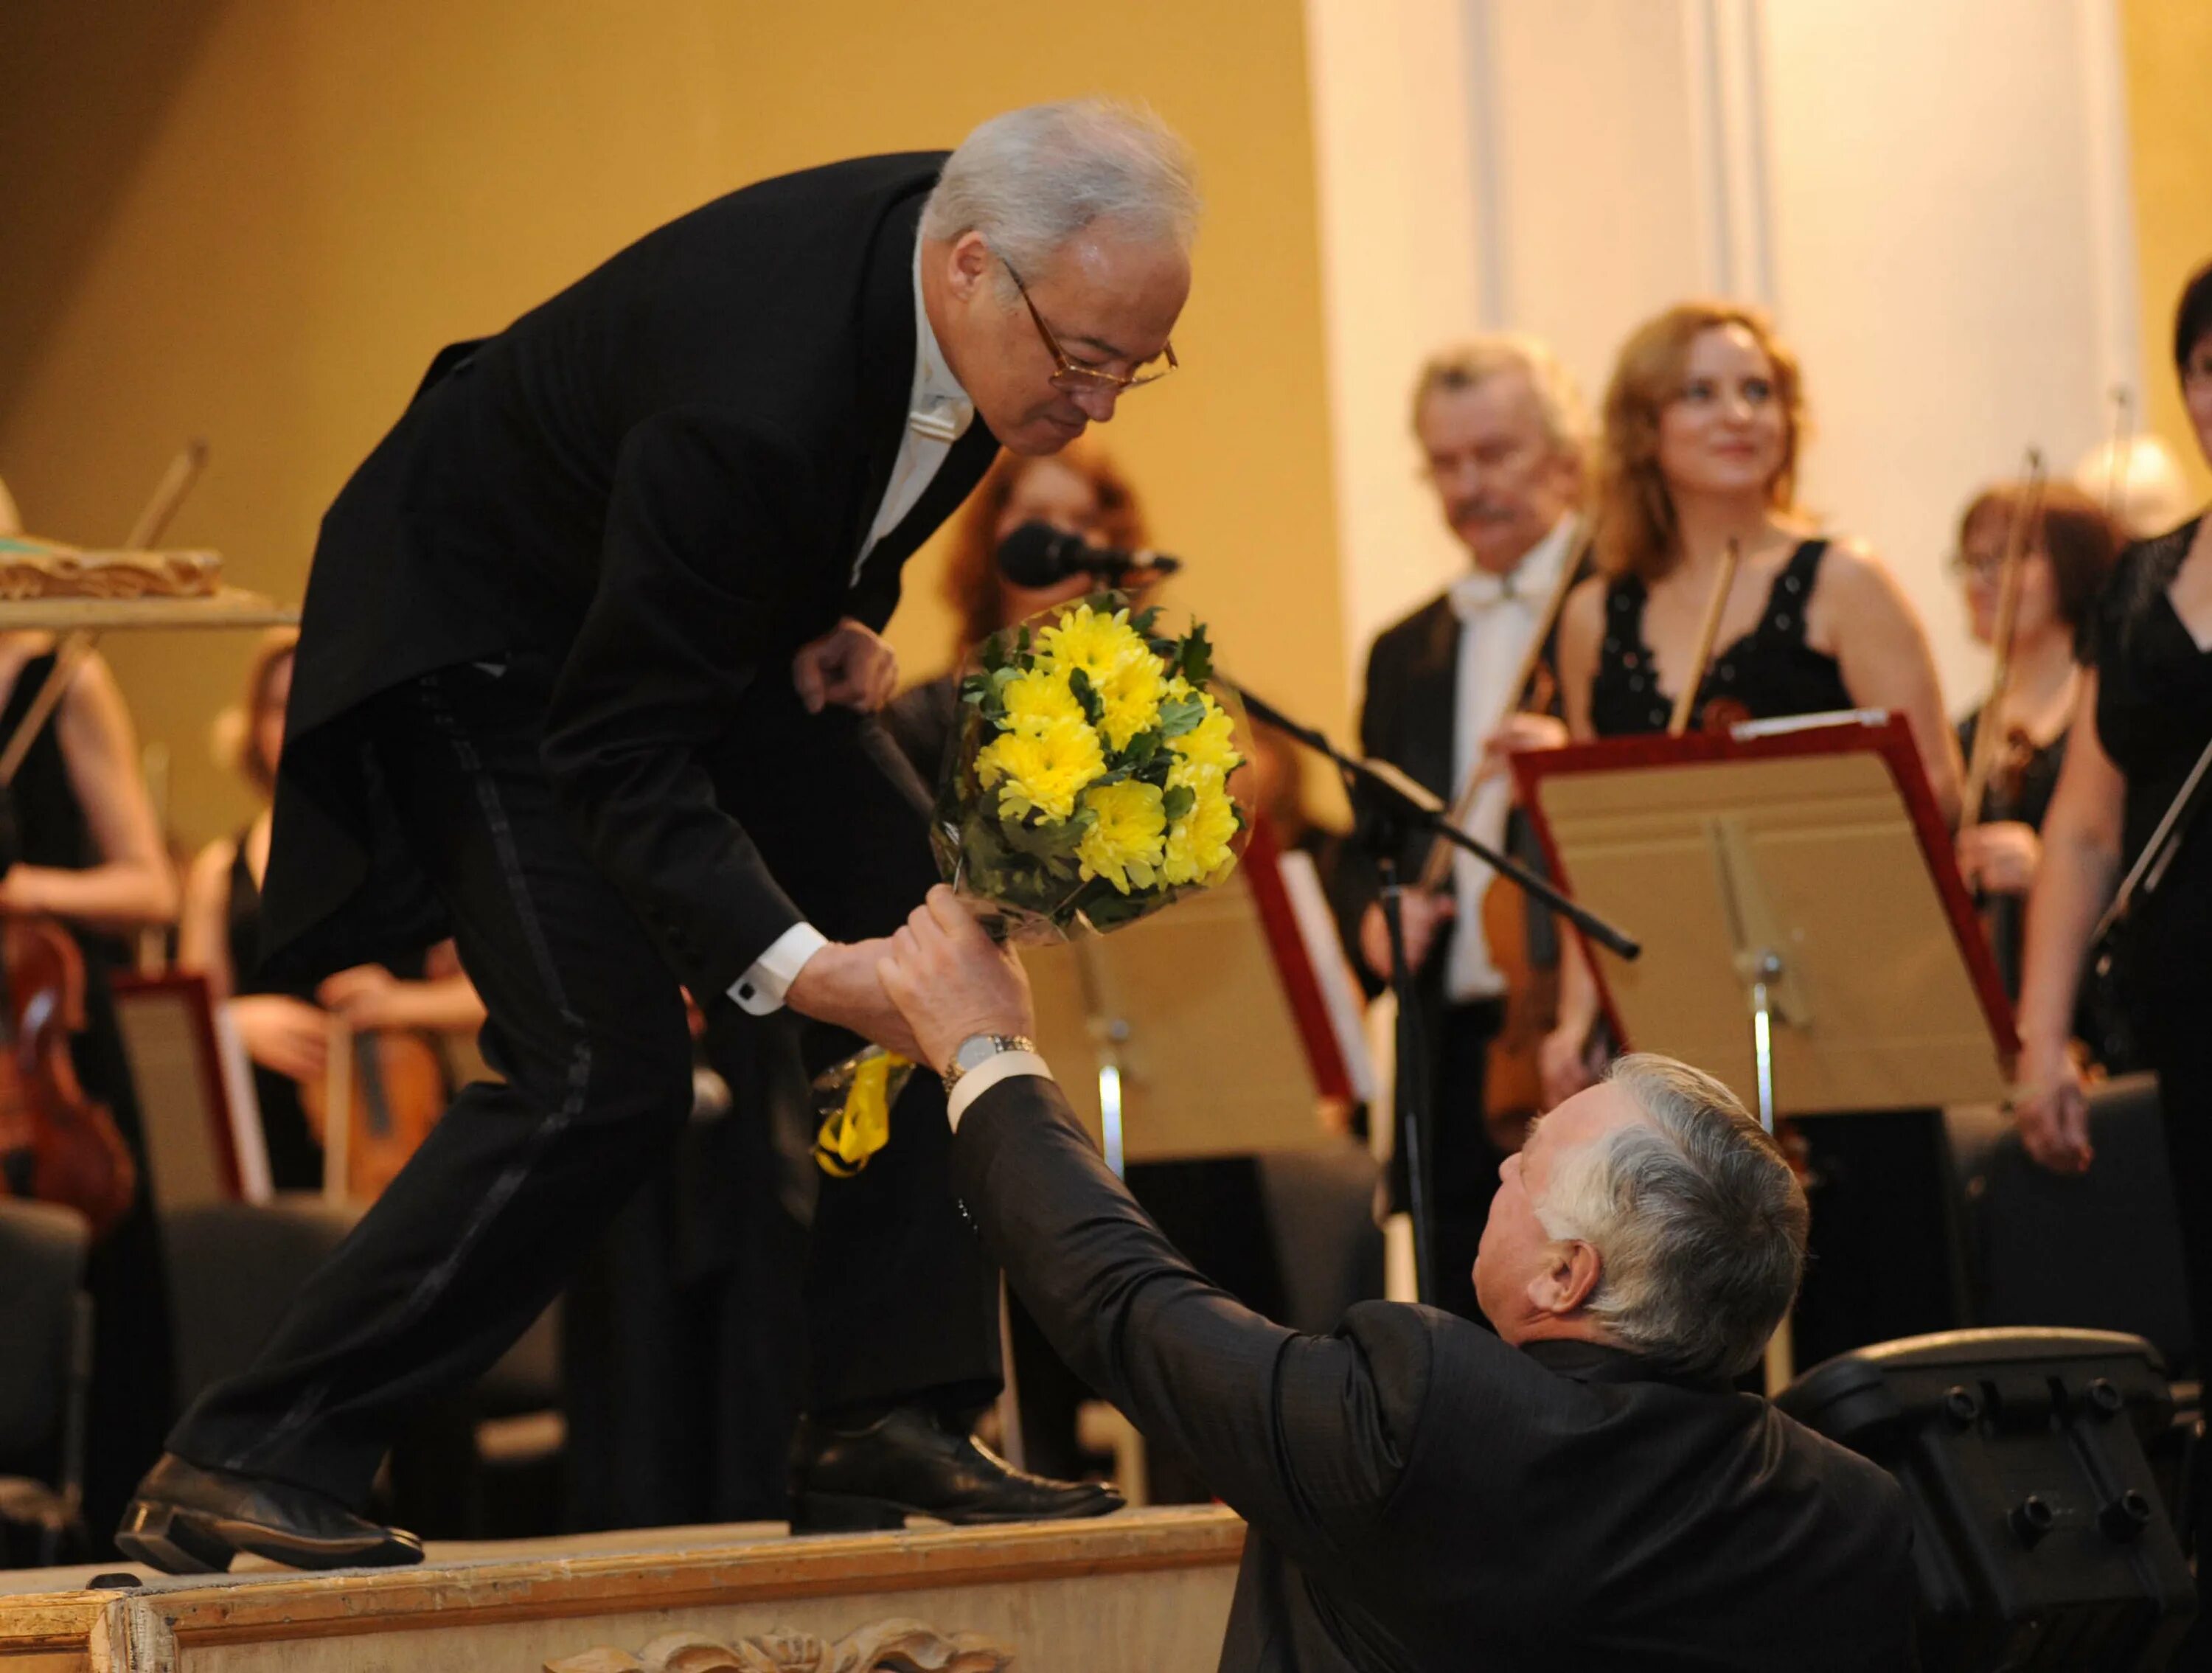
column 1142, row 748
column 1195, row 659
column 1108, row 909
column 1181, row 715
column 1177, row 803
column 1094, row 706
column 1043, row 841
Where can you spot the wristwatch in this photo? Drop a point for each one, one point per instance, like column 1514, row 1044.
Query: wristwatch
column 978, row 1050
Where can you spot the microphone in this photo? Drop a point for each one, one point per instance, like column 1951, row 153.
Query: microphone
column 1038, row 555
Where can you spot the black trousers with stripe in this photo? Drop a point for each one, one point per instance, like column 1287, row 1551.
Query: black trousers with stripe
column 586, row 1024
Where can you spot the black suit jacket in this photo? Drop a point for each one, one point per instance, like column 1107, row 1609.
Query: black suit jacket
column 1423, row 1496
column 648, row 491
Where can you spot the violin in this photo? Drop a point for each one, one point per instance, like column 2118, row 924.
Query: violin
column 57, row 1143
column 384, row 1089
column 1993, row 741
column 1512, row 1078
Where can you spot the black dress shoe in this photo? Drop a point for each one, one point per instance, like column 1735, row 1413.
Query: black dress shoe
column 907, row 1463
column 187, row 1520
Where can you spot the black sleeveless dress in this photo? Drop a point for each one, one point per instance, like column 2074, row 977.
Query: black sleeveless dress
column 2098, row 1023
column 1881, row 1262
column 2154, row 717
column 1770, row 669
column 133, row 1381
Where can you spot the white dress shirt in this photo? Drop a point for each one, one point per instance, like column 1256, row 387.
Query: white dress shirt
column 938, row 413
column 1498, row 615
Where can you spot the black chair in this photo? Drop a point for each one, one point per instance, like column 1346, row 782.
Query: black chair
column 232, row 1270
column 2043, row 1536
column 2102, row 1251
column 45, row 1370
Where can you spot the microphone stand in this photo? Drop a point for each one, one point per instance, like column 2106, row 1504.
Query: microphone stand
column 1400, row 808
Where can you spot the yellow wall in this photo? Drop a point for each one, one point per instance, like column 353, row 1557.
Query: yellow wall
column 255, row 220
column 2169, row 48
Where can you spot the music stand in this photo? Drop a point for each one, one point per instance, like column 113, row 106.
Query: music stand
column 1795, row 876
column 1205, row 1026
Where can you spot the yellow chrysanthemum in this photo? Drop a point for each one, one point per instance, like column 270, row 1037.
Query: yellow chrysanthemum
column 1038, row 700
column 1212, row 743
column 1042, row 771
column 1125, row 844
column 1198, row 843
column 1092, row 641
column 1131, row 698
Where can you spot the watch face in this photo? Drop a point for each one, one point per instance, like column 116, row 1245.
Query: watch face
column 974, row 1049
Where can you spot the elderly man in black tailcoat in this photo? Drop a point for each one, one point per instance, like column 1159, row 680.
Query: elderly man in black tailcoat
column 589, row 647
column 1581, row 1488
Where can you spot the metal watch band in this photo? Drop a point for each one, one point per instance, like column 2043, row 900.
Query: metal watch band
column 999, row 1043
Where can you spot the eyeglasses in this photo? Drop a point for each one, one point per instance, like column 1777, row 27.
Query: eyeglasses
column 1073, row 379
column 1987, row 570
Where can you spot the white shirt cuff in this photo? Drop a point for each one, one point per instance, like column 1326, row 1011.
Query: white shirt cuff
column 989, row 1074
column 762, row 989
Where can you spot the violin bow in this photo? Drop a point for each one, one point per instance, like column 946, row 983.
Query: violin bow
column 1685, row 700
column 1437, row 868
column 75, row 645
column 1988, row 729
column 2119, row 462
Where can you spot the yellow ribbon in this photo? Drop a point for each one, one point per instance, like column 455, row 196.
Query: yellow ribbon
column 862, row 1124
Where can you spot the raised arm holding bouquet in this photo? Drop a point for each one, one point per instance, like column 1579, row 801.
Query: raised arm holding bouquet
column 1093, row 779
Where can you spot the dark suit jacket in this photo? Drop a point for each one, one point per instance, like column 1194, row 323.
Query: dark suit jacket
column 1408, row 716
column 1423, row 1496
column 648, row 491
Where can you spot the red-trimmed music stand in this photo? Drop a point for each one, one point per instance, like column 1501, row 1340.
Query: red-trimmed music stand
column 202, row 1124
column 1799, row 872
column 1204, row 1023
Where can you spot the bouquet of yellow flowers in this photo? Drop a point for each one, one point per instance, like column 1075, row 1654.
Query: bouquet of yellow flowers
column 1091, row 780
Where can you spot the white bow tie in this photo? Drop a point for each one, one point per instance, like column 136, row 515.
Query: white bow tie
column 1478, row 590
column 941, row 417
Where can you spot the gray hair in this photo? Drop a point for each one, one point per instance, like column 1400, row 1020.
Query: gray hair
column 1032, row 178
column 1469, row 364
column 1697, row 1221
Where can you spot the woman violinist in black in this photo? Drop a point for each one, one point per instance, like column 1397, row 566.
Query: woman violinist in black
column 87, row 851
column 1701, row 427
column 2148, row 697
column 2065, row 558
column 286, row 1028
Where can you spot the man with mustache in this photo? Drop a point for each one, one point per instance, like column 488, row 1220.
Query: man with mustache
column 1503, row 433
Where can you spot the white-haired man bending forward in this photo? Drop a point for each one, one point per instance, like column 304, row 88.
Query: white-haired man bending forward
column 587, row 646
column 1583, row 1489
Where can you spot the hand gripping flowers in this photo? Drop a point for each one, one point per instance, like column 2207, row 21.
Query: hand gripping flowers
column 1089, row 783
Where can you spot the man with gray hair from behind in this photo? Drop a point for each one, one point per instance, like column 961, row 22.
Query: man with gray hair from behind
column 590, row 643
column 1585, row 1487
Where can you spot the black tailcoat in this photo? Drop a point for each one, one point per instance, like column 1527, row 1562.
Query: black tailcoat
column 1423, row 1496
column 657, row 485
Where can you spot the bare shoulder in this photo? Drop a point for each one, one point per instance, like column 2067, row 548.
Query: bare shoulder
column 1583, row 616
column 1852, row 569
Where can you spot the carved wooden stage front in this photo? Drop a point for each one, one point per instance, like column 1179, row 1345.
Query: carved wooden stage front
column 1143, row 1591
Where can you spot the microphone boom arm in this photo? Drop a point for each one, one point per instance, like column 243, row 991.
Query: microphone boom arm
column 1424, row 811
